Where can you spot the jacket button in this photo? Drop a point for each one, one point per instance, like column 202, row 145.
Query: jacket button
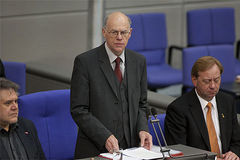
column 115, row 102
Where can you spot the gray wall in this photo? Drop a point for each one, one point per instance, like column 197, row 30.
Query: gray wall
column 48, row 34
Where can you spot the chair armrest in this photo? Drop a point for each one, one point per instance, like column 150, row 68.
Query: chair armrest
column 159, row 101
column 170, row 50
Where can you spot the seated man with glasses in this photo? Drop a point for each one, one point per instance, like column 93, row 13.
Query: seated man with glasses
column 109, row 93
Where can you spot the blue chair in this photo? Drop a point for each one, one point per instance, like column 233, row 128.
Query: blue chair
column 224, row 53
column 212, row 26
column 149, row 37
column 50, row 112
column 16, row 72
column 161, row 118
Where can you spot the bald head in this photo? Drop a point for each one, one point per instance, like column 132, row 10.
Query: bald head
column 116, row 32
column 116, row 16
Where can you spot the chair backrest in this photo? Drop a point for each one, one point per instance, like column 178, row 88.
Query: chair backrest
column 210, row 32
column 211, row 26
column 16, row 72
column 224, row 53
column 50, row 112
column 149, row 36
column 161, row 118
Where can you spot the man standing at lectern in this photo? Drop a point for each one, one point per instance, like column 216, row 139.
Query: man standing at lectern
column 109, row 93
column 205, row 117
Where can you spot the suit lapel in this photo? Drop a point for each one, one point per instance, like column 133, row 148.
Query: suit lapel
column 3, row 151
column 25, row 137
column 106, row 68
column 221, row 117
column 197, row 114
column 130, row 72
column 130, row 69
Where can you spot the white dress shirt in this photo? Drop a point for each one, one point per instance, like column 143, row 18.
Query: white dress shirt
column 112, row 58
column 214, row 112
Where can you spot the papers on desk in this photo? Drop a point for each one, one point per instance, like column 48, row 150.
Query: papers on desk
column 140, row 153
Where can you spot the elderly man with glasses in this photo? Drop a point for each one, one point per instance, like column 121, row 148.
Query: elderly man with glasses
column 109, row 93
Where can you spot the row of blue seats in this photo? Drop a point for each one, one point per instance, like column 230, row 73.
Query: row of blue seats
column 209, row 32
column 57, row 132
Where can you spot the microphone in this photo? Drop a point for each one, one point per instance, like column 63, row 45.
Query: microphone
column 162, row 150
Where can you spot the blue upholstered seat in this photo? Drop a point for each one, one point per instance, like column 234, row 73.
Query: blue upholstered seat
column 149, row 37
column 16, row 72
column 50, row 112
column 224, row 53
column 161, row 117
column 212, row 26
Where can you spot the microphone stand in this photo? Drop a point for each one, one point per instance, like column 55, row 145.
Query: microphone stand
column 153, row 112
column 162, row 150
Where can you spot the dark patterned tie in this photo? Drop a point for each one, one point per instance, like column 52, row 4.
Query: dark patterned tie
column 117, row 69
column 211, row 131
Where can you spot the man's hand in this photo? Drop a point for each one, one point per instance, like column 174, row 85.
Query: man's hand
column 112, row 144
column 146, row 139
column 229, row 156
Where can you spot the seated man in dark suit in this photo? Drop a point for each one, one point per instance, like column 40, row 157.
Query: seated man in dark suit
column 205, row 117
column 18, row 136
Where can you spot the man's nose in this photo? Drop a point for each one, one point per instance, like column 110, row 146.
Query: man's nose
column 14, row 105
column 212, row 84
column 119, row 35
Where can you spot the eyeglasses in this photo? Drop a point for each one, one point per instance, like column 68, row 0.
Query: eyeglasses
column 114, row 33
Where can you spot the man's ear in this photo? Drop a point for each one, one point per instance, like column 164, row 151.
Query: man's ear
column 130, row 33
column 194, row 81
column 103, row 32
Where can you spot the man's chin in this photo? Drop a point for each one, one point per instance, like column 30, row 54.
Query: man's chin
column 210, row 96
column 119, row 50
column 14, row 120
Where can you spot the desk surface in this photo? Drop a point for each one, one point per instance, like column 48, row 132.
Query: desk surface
column 189, row 153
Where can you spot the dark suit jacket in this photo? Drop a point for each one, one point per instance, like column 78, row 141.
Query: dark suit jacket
column 30, row 141
column 94, row 99
column 2, row 71
column 185, row 124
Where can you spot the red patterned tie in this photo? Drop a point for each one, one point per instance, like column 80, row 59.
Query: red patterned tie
column 117, row 69
column 211, row 131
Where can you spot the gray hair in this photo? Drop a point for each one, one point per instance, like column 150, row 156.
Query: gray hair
column 7, row 84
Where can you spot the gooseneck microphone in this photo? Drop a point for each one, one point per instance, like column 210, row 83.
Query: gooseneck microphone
column 155, row 120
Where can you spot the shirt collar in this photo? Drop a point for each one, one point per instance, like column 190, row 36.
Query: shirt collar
column 112, row 56
column 11, row 127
